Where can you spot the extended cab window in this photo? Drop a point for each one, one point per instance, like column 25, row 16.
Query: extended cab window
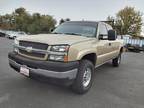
column 109, row 27
column 103, row 31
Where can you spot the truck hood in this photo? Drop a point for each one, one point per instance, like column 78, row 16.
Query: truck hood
column 54, row 39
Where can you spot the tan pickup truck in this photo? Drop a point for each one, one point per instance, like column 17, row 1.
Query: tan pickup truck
column 69, row 54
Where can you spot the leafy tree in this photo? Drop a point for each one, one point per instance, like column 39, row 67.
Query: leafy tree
column 20, row 11
column 110, row 20
column 41, row 24
column 128, row 21
column 6, row 22
column 21, row 20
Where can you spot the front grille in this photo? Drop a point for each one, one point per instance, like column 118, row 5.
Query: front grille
column 34, row 45
column 32, row 54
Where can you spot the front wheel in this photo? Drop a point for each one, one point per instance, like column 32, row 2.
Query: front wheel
column 83, row 81
column 116, row 62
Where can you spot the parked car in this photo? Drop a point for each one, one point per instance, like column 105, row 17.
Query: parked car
column 68, row 55
column 2, row 34
column 13, row 34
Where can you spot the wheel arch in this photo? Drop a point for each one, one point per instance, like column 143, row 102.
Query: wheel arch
column 121, row 50
column 90, row 56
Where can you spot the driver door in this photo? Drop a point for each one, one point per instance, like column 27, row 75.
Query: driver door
column 103, row 46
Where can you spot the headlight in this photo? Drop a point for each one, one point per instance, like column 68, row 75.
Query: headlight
column 16, row 42
column 59, row 49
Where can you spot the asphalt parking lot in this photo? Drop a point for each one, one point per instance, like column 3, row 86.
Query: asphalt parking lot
column 121, row 87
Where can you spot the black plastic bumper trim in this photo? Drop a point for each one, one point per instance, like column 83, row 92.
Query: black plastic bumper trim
column 46, row 65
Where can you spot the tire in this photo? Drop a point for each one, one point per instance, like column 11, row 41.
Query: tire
column 116, row 62
column 137, row 50
column 80, row 86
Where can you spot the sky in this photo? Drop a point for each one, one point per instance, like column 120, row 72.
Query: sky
column 73, row 9
column 92, row 10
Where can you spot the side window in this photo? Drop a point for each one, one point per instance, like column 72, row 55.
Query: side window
column 103, row 31
column 109, row 27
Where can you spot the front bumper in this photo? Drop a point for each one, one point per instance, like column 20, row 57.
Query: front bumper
column 47, row 69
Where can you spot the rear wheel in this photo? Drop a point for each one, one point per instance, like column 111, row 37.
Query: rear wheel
column 116, row 62
column 83, row 81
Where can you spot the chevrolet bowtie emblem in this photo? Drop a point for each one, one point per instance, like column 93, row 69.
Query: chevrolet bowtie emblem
column 28, row 49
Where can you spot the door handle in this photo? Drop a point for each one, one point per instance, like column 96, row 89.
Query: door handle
column 109, row 44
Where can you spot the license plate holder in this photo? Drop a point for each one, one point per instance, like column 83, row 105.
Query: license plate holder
column 24, row 70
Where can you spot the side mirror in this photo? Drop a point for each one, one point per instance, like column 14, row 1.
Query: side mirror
column 112, row 35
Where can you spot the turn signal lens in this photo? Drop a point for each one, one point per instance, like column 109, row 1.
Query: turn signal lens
column 66, row 58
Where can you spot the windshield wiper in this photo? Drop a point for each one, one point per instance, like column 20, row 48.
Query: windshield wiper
column 73, row 34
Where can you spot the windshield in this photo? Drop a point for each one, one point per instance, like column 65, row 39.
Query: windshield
column 76, row 29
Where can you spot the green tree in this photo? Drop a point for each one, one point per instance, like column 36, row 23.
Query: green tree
column 41, row 24
column 128, row 21
column 21, row 20
column 110, row 20
column 20, row 11
column 6, row 22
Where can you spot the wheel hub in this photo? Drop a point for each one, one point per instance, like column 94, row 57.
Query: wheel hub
column 87, row 77
column 119, row 60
